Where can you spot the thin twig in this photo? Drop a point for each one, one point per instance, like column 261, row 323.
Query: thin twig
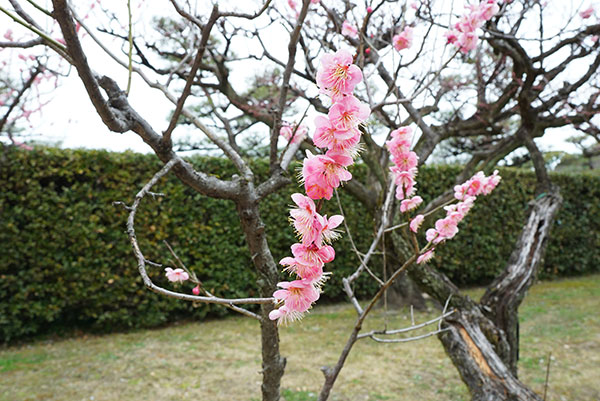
column 407, row 339
column 188, row 84
column 359, row 255
column 407, row 329
column 130, row 54
column 424, row 215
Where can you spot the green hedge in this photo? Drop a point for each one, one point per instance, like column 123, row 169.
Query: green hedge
column 66, row 261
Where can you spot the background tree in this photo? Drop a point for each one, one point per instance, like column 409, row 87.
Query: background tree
column 535, row 69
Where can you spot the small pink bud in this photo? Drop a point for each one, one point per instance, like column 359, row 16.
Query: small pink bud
column 368, row 50
column 196, row 290
column 369, row 10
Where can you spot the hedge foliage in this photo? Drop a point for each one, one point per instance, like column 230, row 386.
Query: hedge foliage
column 66, row 260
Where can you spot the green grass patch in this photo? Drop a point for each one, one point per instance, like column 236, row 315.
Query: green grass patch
column 220, row 359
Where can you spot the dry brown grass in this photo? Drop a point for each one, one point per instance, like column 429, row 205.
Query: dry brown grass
column 220, row 359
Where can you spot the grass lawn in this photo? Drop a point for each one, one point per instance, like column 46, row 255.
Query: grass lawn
column 220, row 359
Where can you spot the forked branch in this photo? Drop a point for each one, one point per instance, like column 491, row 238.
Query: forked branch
column 209, row 299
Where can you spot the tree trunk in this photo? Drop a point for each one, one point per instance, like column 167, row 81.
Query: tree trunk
column 501, row 301
column 273, row 364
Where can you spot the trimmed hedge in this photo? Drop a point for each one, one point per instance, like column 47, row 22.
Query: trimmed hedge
column 66, row 261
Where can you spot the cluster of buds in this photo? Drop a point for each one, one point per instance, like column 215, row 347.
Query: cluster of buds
column 337, row 134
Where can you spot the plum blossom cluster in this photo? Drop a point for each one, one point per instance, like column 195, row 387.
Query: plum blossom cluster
column 466, row 194
column 404, row 171
column 338, row 136
column 463, row 35
column 405, row 168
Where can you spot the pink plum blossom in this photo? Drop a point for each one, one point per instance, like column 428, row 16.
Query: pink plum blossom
column 416, row 223
column 466, row 205
column 298, row 295
column 461, row 190
column 488, row 9
column 329, row 137
column 405, row 182
column 337, row 76
column 492, row 182
column 349, row 30
column 292, row 4
column 404, row 39
column 407, row 161
column 176, row 275
column 467, row 41
column 402, row 133
column 312, row 273
column 312, row 254
column 431, row 235
column 426, row 257
column 348, row 113
column 446, row 227
column 405, row 191
column 410, row 204
column 323, row 173
column 398, row 147
column 404, row 177
column 476, row 184
column 196, row 290
column 304, row 218
column 469, row 23
column 400, row 143
column 284, row 315
column 328, row 226
column 451, row 37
